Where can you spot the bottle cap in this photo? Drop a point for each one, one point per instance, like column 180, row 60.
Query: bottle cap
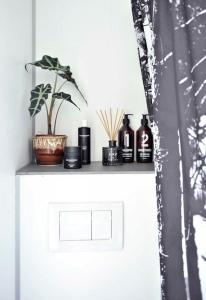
column 84, row 123
column 126, row 120
column 112, row 143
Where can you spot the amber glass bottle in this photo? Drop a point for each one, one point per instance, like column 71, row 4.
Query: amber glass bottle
column 126, row 140
column 144, row 142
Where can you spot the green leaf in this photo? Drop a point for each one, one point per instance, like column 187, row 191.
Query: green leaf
column 64, row 96
column 38, row 97
column 47, row 63
column 52, row 64
column 67, row 74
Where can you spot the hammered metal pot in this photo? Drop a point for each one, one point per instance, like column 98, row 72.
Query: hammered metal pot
column 49, row 149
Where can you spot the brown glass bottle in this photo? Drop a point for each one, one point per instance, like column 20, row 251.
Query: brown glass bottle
column 144, row 142
column 126, row 140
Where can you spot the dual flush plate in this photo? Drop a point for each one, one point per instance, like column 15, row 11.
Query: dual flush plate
column 85, row 226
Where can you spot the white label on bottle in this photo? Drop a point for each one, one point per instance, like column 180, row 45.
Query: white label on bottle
column 144, row 150
column 127, row 153
column 126, row 140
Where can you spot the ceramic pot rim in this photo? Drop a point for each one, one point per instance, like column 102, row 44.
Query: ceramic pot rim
column 49, row 136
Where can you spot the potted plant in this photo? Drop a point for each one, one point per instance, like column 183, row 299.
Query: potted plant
column 49, row 148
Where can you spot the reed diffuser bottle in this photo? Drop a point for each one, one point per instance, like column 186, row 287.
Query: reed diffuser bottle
column 112, row 155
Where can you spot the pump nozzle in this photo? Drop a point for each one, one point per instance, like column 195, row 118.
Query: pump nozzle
column 126, row 115
column 126, row 119
column 144, row 120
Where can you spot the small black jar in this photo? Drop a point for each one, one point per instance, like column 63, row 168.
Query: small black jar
column 112, row 155
column 72, row 158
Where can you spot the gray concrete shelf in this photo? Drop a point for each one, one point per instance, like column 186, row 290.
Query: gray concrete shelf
column 93, row 168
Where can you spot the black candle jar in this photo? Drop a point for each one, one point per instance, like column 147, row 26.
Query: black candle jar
column 72, row 158
column 112, row 155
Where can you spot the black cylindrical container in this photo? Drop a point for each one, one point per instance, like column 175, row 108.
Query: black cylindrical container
column 72, row 158
column 84, row 142
column 112, row 155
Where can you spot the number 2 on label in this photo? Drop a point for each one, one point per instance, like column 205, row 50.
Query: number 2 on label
column 145, row 138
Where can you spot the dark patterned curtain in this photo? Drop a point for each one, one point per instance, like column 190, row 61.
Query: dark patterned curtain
column 171, row 39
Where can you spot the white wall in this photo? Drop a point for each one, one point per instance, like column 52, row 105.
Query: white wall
column 131, row 273
column 96, row 38
column 15, row 124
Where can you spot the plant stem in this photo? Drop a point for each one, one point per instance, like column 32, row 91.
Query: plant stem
column 57, row 115
column 55, row 84
column 58, row 90
column 52, row 106
column 47, row 113
column 61, row 86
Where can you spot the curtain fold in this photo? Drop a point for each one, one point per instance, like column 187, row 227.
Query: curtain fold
column 140, row 18
column 171, row 38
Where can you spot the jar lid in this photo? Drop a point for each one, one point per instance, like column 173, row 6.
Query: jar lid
column 72, row 150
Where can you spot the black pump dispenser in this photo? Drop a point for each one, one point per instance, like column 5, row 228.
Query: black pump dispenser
column 144, row 120
column 126, row 120
column 144, row 141
column 126, row 140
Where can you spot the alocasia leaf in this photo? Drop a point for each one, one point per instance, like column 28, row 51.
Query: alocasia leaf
column 52, row 64
column 38, row 97
column 47, row 63
column 67, row 74
column 64, row 96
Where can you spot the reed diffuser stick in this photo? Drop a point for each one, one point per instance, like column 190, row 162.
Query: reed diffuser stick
column 119, row 123
column 111, row 124
column 112, row 132
column 103, row 123
column 116, row 118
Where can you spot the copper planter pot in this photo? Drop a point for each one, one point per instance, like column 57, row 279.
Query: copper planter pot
column 49, row 149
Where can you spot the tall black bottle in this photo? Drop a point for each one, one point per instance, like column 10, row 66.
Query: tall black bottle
column 84, row 142
column 126, row 140
column 144, row 142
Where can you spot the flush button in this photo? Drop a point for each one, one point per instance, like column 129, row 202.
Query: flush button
column 101, row 224
column 87, row 226
column 74, row 225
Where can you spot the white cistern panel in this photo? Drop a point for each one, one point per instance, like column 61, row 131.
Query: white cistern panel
column 62, row 214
